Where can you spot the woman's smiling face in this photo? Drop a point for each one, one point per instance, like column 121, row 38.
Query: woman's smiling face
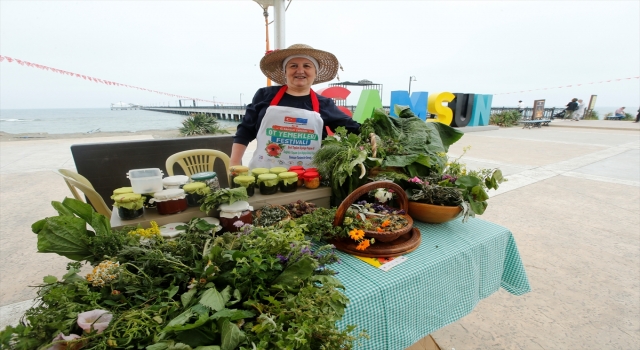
column 300, row 73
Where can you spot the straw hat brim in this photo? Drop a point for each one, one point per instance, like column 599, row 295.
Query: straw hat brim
column 271, row 64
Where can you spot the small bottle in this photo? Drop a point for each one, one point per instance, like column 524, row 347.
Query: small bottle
column 311, row 179
column 288, row 181
column 208, row 177
column 237, row 170
column 195, row 191
column 247, row 182
column 268, row 183
column 259, row 171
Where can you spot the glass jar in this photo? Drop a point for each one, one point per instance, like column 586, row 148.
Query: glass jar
column 208, row 177
column 237, row 170
column 277, row 170
column 288, row 181
column 170, row 201
column 247, row 182
column 268, row 183
column 129, row 204
column 300, row 178
column 230, row 214
column 195, row 191
column 311, row 179
column 259, row 171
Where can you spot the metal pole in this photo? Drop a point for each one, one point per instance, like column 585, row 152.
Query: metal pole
column 279, row 23
column 410, row 85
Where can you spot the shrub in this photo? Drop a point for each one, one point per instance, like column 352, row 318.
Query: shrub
column 200, row 124
column 591, row 115
column 507, row 118
column 628, row 116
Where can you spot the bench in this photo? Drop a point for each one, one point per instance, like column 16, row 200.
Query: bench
column 535, row 123
column 613, row 117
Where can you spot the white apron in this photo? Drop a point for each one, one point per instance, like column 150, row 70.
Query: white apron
column 288, row 136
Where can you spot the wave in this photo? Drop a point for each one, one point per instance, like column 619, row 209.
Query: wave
column 16, row 120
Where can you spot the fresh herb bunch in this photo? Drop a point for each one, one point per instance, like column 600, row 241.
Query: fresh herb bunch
column 223, row 196
column 318, row 225
column 270, row 215
column 299, row 208
column 258, row 288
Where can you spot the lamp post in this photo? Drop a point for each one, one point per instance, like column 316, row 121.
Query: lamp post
column 411, row 78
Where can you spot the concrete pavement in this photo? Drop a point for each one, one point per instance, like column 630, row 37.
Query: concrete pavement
column 572, row 203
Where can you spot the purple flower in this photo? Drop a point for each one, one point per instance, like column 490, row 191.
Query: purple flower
column 282, row 258
column 238, row 224
column 305, row 250
column 97, row 320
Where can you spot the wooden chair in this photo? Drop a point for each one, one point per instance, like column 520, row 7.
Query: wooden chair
column 197, row 161
column 76, row 181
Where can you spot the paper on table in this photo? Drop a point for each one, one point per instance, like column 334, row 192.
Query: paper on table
column 384, row 264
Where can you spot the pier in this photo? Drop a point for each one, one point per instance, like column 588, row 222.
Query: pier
column 231, row 113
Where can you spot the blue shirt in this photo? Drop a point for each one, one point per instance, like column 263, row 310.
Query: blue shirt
column 329, row 112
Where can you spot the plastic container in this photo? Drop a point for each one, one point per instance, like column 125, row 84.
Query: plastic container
column 195, row 191
column 208, row 177
column 230, row 214
column 145, row 180
column 300, row 179
column 268, row 183
column 235, row 171
column 311, row 179
column 170, row 201
column 288, row 181
column 247, row 182
column 259, row 171
column 129, row 204
column 176, row 181
column 277, row 170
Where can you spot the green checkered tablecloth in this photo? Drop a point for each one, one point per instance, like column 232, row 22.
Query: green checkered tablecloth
column 455, row 267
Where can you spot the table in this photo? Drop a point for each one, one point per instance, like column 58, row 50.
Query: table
column 457, row 265
column 321, row 196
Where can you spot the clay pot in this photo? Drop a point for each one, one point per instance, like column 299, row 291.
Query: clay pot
column 432, row 214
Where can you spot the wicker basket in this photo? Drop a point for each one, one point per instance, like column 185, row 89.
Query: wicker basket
column 386, row 236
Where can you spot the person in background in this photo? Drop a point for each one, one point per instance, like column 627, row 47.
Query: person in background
column 637, row 115
column 520, row 107
column 579, row 113
column 620, row 113
column 571, row 106
column 289, row 121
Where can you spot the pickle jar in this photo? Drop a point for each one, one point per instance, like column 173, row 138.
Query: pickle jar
column 277, row 170
column 170, row 201
column 259, row 171
column 311, row 179
column 208, row 177
column 300, row 178
column 288, row 181
column 268, row 183
column 129, row 204
column 230, row 214
column 247, row 182
column 235, row 171
column 195, row 191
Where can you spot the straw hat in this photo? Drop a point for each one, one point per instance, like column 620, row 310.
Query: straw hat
column 271, row 63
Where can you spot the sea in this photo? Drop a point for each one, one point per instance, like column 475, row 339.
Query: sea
column 89, row 120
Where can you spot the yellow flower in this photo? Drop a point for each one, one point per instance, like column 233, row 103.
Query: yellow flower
column 356, row 234
column 363, row 245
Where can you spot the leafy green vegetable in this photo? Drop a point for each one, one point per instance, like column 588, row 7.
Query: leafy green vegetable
column 221, row 196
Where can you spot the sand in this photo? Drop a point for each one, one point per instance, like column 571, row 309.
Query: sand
column 156, row 134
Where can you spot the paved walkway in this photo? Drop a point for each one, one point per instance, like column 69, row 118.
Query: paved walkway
column 572, row 202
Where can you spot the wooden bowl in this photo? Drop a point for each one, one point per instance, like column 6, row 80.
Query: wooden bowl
column 433, row 214
column 388, row 236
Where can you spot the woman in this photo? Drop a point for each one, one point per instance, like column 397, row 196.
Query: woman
column 577, row 115
column 571, row 106
column 289, row 121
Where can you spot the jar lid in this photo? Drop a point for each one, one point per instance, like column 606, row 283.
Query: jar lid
column 126, row 197
column 277, row 170
column 312, row 169
column 171, row 230
column 122, row 190
column 244, row 179
column 296, row 167
column 263, row 177
column 234, row 210
column 287, row 175
column 167, row 195
column 239, row 169
column 204, row 176
column 308, row 175
column 258, row 171
column 175, row 180
column 299, row 172
column 192, row 187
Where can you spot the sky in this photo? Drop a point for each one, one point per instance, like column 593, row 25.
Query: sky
column 211, row 49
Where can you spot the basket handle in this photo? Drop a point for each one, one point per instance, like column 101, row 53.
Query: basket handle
column 401, row 196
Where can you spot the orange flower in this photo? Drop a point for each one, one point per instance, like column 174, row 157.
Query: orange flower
column 356, row 234
column 386, row 223
column 363, row 245
column 378, row 229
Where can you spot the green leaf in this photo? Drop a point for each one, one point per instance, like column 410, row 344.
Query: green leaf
column 479, row 194
column 468, row 181
column 231, row 335
column 233, row 314
column 62, row 209
column 172, row 291
column 182, row 318
column 50, row 279
column 226, row 294
column 477, row 207
column 212, row 299
column 237, row 297
column 158, row 346
column 186, row 297
column 209, row 347
column 301, row 269
column 66, row 236
column 448, row 135
column 81, row 209
column 37, row 226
